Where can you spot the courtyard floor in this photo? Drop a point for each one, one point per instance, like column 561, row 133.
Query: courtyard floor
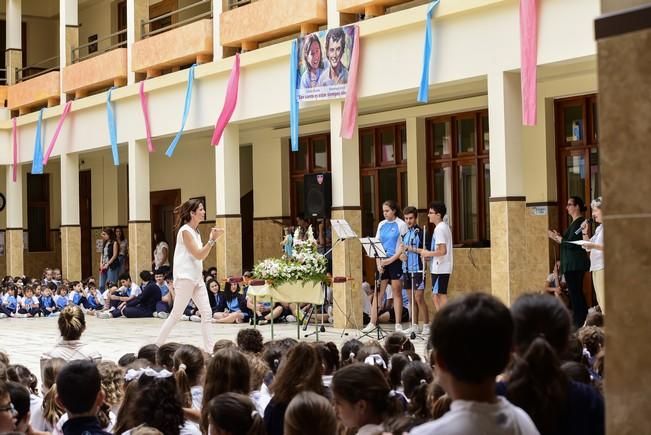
column 26, row 339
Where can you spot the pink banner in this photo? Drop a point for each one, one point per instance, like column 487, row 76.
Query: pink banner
column 528, row 59
column 15, row 142
column 229, row 102
column 349, row 116
column 144, row 104
column 53, row 141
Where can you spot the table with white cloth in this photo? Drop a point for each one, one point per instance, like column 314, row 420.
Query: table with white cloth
column 292, row 292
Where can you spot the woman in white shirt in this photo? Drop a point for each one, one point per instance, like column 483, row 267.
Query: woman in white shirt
column 596, row 248
column 188, row 279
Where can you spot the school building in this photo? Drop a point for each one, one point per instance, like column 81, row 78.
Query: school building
column 504, row 184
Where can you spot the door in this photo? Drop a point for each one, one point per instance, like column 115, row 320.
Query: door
column 85, row 222
column 163, row 203
column 161, row 8
column 246, row 210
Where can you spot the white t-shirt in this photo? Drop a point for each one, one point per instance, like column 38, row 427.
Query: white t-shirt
column 186, row 265
column 158, row 255
column 464, row 417
column 442, row 235
column 596, row 255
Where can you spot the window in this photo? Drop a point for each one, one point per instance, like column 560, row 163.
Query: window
column 38, row 212
column 312, row 157
column 459, row 173
column 577, row 143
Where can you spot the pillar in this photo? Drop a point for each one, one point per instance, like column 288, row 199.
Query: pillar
column 347, row 255
column 270, row 198
column 217, row 9
column 70, row 228
column 507, row 201
column 14, row 244
column 227, row 170
column 624, row 60
column 137, row 10
column 417, row 167
column 13, row 52
column 140, row 249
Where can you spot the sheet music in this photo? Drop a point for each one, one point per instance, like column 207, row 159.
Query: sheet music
column 373, row 247
column 343, row 229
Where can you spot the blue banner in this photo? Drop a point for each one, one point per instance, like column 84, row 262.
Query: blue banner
column 113, row 133
column 186, row 112
column 423, row 90
column 37, row 162
column 293, row 104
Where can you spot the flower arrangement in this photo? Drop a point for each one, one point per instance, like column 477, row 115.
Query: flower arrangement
column 304, row 263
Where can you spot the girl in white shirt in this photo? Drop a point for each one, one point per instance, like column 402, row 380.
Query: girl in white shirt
column 188, row 279
column 596, row 248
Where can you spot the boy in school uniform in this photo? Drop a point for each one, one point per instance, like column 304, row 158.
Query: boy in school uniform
column 62, row 299
column 141, row 306
column 472, row 340
column 29, row 305
column 47, row 303
column 128, row 291
column 9, row 303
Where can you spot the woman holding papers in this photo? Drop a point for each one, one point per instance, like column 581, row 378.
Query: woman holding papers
column 574, row 259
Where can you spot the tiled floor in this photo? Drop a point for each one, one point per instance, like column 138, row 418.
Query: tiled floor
column 26, row 339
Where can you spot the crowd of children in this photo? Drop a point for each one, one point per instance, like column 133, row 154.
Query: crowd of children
column 491, row 370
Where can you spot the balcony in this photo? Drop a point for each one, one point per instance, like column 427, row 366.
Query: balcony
column 251, row 24
column 34, row 92
column 93, row 70
column 3, row 96
column 172, row 46
column 370, row 8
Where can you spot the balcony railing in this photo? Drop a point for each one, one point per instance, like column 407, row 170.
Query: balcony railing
column 37, row 69
column 158, row 24
column 370, row 8
column 232, row 4
column 97, row 47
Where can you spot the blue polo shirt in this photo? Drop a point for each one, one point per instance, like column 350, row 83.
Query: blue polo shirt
column 390, row 234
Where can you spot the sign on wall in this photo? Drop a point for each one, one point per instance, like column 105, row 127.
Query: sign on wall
column 324, row 59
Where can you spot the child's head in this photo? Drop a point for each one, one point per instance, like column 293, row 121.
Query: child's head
column 112, row 377
column 472, row 338
column 20, row 400
column 159, row 277
column 362, row 395
column 416, row 378
column 72, row 322
column 212, row 285
column 592, row 339
column 22, row 375
column 312, row 52
column 126, row 359
column 50, row 369
column 397, row 342
column 249, row 340
column 165, row 355
column 148, row 352
column 125, row 279
column 79, row 388
column 374, row 354
column 310, row 410
column 289, row 381
column 396, row 364
column 29, row 292
column 63, row 290
column 235, row 414
column 157, row 403
column 595, row 317
column 145, row 276
column 76, row 286
column 227, row 372
column 222, row 344
column 329, row 356
column 188, row 371
column 258, row 369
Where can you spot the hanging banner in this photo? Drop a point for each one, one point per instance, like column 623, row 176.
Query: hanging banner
column 293, row 100
column 112, row 127
column 37, row 160
column 144, row 105
column 53, row 141
column 528, row 59
column 229, row 102
column 423, row 89
column 186, row 112
column 324, row 61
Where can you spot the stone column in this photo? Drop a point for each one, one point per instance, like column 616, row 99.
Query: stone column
column 228, row 249
column 417, row 167
column 624, row 70
column 270, row 199
column 14, row 49
column 347, row 255
column 14, row 245
column 507, row 201
column 70, row 229
column 140, row 249
column 217, row 9
column 137, row 10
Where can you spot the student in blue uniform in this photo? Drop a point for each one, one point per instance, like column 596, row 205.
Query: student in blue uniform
column 48, row 306
column 141, row 306
column 29, row 305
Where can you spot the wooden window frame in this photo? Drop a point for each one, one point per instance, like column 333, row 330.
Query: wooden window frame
column 478, row 158
column 588, row 143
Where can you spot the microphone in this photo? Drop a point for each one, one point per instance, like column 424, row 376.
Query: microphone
column 579, row 231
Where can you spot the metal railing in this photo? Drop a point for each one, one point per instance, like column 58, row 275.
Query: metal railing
column 147, row 24
column 37, row 69
column 92, row 47
column 232, row 4
column 3, row 76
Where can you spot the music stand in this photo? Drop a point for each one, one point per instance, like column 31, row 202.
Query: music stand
column 374, row 249
column 345, row 232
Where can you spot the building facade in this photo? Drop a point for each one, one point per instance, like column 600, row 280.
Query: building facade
column 504, row 184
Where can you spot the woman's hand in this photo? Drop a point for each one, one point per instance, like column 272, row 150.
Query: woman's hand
column 216, row 233
column 553, row 234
